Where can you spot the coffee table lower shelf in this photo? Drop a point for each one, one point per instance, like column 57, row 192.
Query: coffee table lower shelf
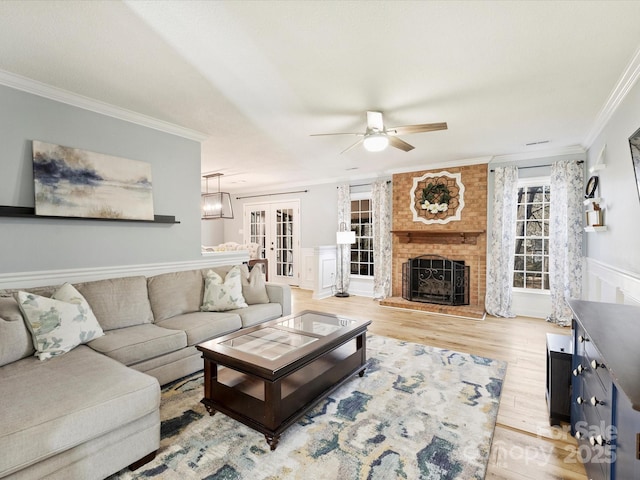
column 270, row 406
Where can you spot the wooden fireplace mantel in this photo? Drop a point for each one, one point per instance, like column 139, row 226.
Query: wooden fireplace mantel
column 469, row 237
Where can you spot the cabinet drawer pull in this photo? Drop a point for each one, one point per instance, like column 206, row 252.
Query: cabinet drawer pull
column 578, row 435
column 595, row 402
column 582, row 339
column 579, row 400
column 595, row 364
column 579, row 370
column 598, row 440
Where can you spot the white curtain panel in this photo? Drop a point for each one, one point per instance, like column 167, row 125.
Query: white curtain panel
column 565, row 238
column 382, row 215
column 343, row 267
column 502, row 244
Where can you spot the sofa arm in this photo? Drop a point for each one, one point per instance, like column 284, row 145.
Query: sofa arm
column 280, row 293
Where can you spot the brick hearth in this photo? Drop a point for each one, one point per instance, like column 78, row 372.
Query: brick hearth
column 465, row 239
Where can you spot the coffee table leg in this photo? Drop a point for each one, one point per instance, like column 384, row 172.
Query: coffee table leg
column 210, row 409
column 272, row 440
column 361, row 372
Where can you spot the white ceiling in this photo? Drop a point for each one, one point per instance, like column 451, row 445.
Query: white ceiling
column 258, row 77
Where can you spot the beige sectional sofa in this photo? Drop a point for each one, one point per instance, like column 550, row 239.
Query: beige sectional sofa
column 95, row 410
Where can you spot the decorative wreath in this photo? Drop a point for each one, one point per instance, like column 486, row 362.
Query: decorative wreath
column 436, row 193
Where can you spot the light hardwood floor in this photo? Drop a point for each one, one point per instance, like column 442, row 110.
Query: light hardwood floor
column 524, row 446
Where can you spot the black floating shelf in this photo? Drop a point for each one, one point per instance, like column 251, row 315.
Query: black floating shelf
column 30, row 212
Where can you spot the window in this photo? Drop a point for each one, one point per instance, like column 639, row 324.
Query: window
column 362, row 224
column 531, row 264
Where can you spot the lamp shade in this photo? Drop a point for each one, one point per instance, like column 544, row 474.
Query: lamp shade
column 345, row 238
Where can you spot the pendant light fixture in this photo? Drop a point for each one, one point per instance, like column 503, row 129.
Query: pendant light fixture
column 215, row 205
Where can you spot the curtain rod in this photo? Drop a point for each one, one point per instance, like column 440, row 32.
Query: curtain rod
column 540, row 166
column 364, row 184
column 270, row 194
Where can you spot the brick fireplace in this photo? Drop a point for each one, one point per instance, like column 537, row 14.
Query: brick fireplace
column 462, row 240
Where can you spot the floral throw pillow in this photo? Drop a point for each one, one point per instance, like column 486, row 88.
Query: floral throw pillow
column 222, row 295
column 60, row 323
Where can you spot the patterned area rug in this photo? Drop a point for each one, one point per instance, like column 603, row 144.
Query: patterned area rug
column 418, row 413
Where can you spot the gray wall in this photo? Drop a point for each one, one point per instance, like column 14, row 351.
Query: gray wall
column 318, row 213
column 51, row 244
column 618, row 246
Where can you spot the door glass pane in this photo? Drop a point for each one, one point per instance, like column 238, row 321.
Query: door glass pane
column 284, row 242
column 257, row 229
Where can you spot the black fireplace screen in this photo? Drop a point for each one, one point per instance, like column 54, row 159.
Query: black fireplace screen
column 435, row 279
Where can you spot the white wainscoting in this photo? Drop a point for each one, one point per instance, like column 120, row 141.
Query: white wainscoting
column 307, row 269
column 536, row 304
column 609, row 284
column 325, row 271
column 361, row 286
column 77, row 275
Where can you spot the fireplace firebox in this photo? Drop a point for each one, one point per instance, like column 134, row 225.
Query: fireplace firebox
column 435, row 279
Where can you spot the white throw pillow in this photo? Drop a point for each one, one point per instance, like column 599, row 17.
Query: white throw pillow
column 254, row 288
column 219, row 295
column 60, row 323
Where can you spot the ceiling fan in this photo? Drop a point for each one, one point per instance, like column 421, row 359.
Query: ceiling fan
column 377, row 137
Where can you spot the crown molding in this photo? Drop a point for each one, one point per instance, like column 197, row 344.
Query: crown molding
column 434, row 166
column 619, row 93
column 35, row 87
column 556, row 152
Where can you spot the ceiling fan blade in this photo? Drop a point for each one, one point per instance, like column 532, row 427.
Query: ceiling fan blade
column 374, row 121
column 401, row 144
column 352, row 146
column 425, row 127
column 325, row 134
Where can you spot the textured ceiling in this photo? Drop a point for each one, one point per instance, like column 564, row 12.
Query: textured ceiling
column 259, row 77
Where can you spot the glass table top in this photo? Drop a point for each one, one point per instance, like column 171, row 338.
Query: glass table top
column 316, row 323
column 269, row 343
column 282, row 337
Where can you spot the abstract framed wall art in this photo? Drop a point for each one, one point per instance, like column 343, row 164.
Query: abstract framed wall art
column 70, row 182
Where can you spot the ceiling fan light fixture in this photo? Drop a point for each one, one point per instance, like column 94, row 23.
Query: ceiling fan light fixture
column 376, row 142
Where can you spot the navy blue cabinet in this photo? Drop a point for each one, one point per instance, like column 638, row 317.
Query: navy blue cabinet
column 605, row 399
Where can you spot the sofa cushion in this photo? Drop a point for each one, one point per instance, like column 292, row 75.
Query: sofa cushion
column 222, row 295
column 202, row 326
column 118, row 302
column 254, row 314
column 175, row 293
column 50, row 407
column 15, row 339
column 139, row 343
column 60, row 323
column 254, row 289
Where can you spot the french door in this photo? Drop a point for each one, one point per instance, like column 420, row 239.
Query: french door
column 276, row 228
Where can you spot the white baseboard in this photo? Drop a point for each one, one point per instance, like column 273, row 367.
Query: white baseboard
column 606, row 283
column 77, row 275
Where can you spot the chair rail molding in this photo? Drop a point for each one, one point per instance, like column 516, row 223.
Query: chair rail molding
column 605, row 283
column 77, row 275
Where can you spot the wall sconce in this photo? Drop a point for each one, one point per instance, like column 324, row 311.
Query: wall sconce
column 215, row 205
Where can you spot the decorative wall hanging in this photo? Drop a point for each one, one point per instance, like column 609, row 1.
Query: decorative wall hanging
column 437, row 197
column 70, row 182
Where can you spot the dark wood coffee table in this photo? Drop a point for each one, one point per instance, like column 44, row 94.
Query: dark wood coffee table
column 269, row 375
